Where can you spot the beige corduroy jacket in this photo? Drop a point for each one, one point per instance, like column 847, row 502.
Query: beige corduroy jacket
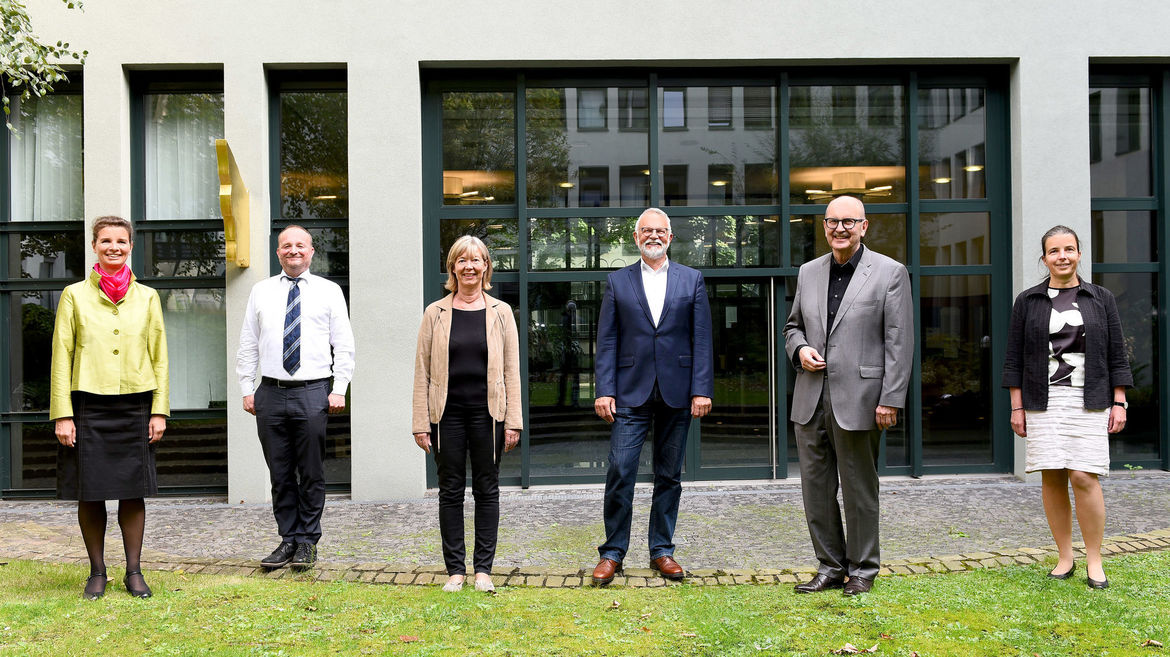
column 503, row 365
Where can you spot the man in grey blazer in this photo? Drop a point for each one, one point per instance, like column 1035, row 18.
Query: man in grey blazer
column 850, row 336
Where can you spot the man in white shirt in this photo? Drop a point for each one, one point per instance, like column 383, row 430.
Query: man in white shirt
column 654, row 372
column 294, row 365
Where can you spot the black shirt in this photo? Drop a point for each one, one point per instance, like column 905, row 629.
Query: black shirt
column 839, row 277
column 467, row 354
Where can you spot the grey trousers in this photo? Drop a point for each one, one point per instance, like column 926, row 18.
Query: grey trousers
column 832, row 458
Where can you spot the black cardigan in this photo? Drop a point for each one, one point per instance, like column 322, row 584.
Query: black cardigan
column 1026, row 364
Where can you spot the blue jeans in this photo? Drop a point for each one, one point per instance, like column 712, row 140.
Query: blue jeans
column 630, row 428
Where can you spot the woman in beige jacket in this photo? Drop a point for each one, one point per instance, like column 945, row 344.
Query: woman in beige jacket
column 467, row 403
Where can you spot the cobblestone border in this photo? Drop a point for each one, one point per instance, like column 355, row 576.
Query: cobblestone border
column 381, row 573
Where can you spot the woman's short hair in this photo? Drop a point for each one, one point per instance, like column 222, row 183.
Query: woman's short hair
column 109, row 221
column 460, row 247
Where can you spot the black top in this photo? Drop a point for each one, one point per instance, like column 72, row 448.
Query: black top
column 839, row 277
column 1026, row 359
column 1066, row 336
column 467, row 354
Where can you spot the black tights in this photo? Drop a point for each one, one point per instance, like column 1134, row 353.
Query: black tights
column 131, row 519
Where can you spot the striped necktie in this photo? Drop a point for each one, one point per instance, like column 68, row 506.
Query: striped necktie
column 292, row 327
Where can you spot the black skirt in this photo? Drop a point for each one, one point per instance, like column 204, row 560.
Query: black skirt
column 112, row 458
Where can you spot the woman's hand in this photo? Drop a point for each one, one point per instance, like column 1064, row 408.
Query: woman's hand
column 1116, row 419
column 1020, row 423
column 66, row 431
column 423, row 440
column 511, row 439
column 157, row 427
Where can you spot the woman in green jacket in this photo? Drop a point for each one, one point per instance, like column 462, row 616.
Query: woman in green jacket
column 110, row 400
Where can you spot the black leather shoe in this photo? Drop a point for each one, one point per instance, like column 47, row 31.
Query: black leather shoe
column 143, row 592
column 1066, row 574
column 1097, row 583
column 305, row 556
column 857, row 585
column 95, row 586
column 819, row 583
column 280, row 556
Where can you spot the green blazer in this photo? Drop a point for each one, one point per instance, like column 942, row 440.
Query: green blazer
column 109, row 349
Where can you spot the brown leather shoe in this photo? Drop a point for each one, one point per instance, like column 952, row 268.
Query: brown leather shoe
column 668, row 567
column 604, row 572
column 857, row 585
column 819, row 583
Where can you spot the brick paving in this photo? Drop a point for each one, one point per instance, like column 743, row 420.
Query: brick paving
column 730, row 533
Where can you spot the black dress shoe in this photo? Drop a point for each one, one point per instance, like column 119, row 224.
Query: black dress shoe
column 819, row 583
column 1066, row 574
column 95, row 586
column 1097, row 583
column 305, row 556
column 143, row 592
column 280, row 556
column 857, row 585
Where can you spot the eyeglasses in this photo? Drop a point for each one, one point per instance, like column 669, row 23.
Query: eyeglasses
column 847, row 224
column 661, row 232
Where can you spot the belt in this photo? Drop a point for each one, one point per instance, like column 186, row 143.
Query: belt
column 290, row 384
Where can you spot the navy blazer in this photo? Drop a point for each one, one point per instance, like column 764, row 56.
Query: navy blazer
column 632, row 353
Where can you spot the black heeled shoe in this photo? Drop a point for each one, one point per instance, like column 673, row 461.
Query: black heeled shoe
column 97, row 591
column 1066, row 574
column 143, row 592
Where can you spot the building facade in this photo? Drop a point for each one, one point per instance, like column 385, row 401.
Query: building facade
column 390, row 130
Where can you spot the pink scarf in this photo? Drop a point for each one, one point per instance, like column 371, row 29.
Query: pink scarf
column 114, row 285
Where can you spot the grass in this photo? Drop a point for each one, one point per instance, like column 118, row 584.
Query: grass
column 1010, row 611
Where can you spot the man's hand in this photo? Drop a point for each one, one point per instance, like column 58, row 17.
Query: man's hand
column 700, row 406
column 511, row 439
column 157, row 426
column 66, row 431
column 811, row 360
column 604, row 407
column 887, row 416
column 336, row 403
column 250, row 403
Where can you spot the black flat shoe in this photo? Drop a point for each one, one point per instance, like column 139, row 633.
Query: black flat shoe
column 143, row 592
column 95, row 586
column 1097, row 583
column 1066, row 574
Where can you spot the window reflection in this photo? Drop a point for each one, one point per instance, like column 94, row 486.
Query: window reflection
column 733, row 163
column 34, row 455
column 194, row 453
column 1137, row 303
column 314, row 154
column 29, row 341
column 182, row 176
column 954, row 238
column 479, row 148
column 1121, row 236
column 726, row 241
column 1119, row 142
column 573, row 159
column 952, row 132
column 847, row 139
column 45, row 162
column 40, row 255
column 581, row 243
column 956, row 369
column 183, row 253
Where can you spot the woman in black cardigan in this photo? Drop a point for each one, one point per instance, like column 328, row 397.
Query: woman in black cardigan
column 1066, row 370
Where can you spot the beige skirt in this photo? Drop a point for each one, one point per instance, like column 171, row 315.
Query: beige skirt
column 1068, row 436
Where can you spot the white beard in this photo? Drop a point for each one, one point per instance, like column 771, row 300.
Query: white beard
column 652, row 251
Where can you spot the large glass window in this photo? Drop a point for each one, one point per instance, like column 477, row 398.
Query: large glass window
column 179, row 250
column 310, row 138
column 42, row 249
column 746, row 200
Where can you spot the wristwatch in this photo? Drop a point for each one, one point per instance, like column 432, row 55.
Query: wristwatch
column 1123, row 404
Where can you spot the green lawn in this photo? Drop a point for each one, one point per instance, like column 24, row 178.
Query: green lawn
column 1011, row 611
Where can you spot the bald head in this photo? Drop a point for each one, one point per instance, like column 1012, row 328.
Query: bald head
column 845, row 225
column 849, row 205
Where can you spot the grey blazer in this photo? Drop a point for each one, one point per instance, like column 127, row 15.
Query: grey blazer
column 869, row 350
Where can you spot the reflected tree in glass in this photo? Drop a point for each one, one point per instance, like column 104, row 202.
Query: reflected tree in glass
column 548, row 147
column 314, row 155
column 479, row 138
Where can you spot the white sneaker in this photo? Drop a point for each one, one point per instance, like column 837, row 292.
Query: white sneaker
column 484, row 584
column 454, row 584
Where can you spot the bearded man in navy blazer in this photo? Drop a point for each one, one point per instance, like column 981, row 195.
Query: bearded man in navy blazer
column 654, row 373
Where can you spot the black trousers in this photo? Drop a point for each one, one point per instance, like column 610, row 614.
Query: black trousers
column 461, row 433
column 291, row 424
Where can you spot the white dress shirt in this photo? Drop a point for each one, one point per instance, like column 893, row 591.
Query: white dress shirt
column 327, row 345
column 654, row 284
